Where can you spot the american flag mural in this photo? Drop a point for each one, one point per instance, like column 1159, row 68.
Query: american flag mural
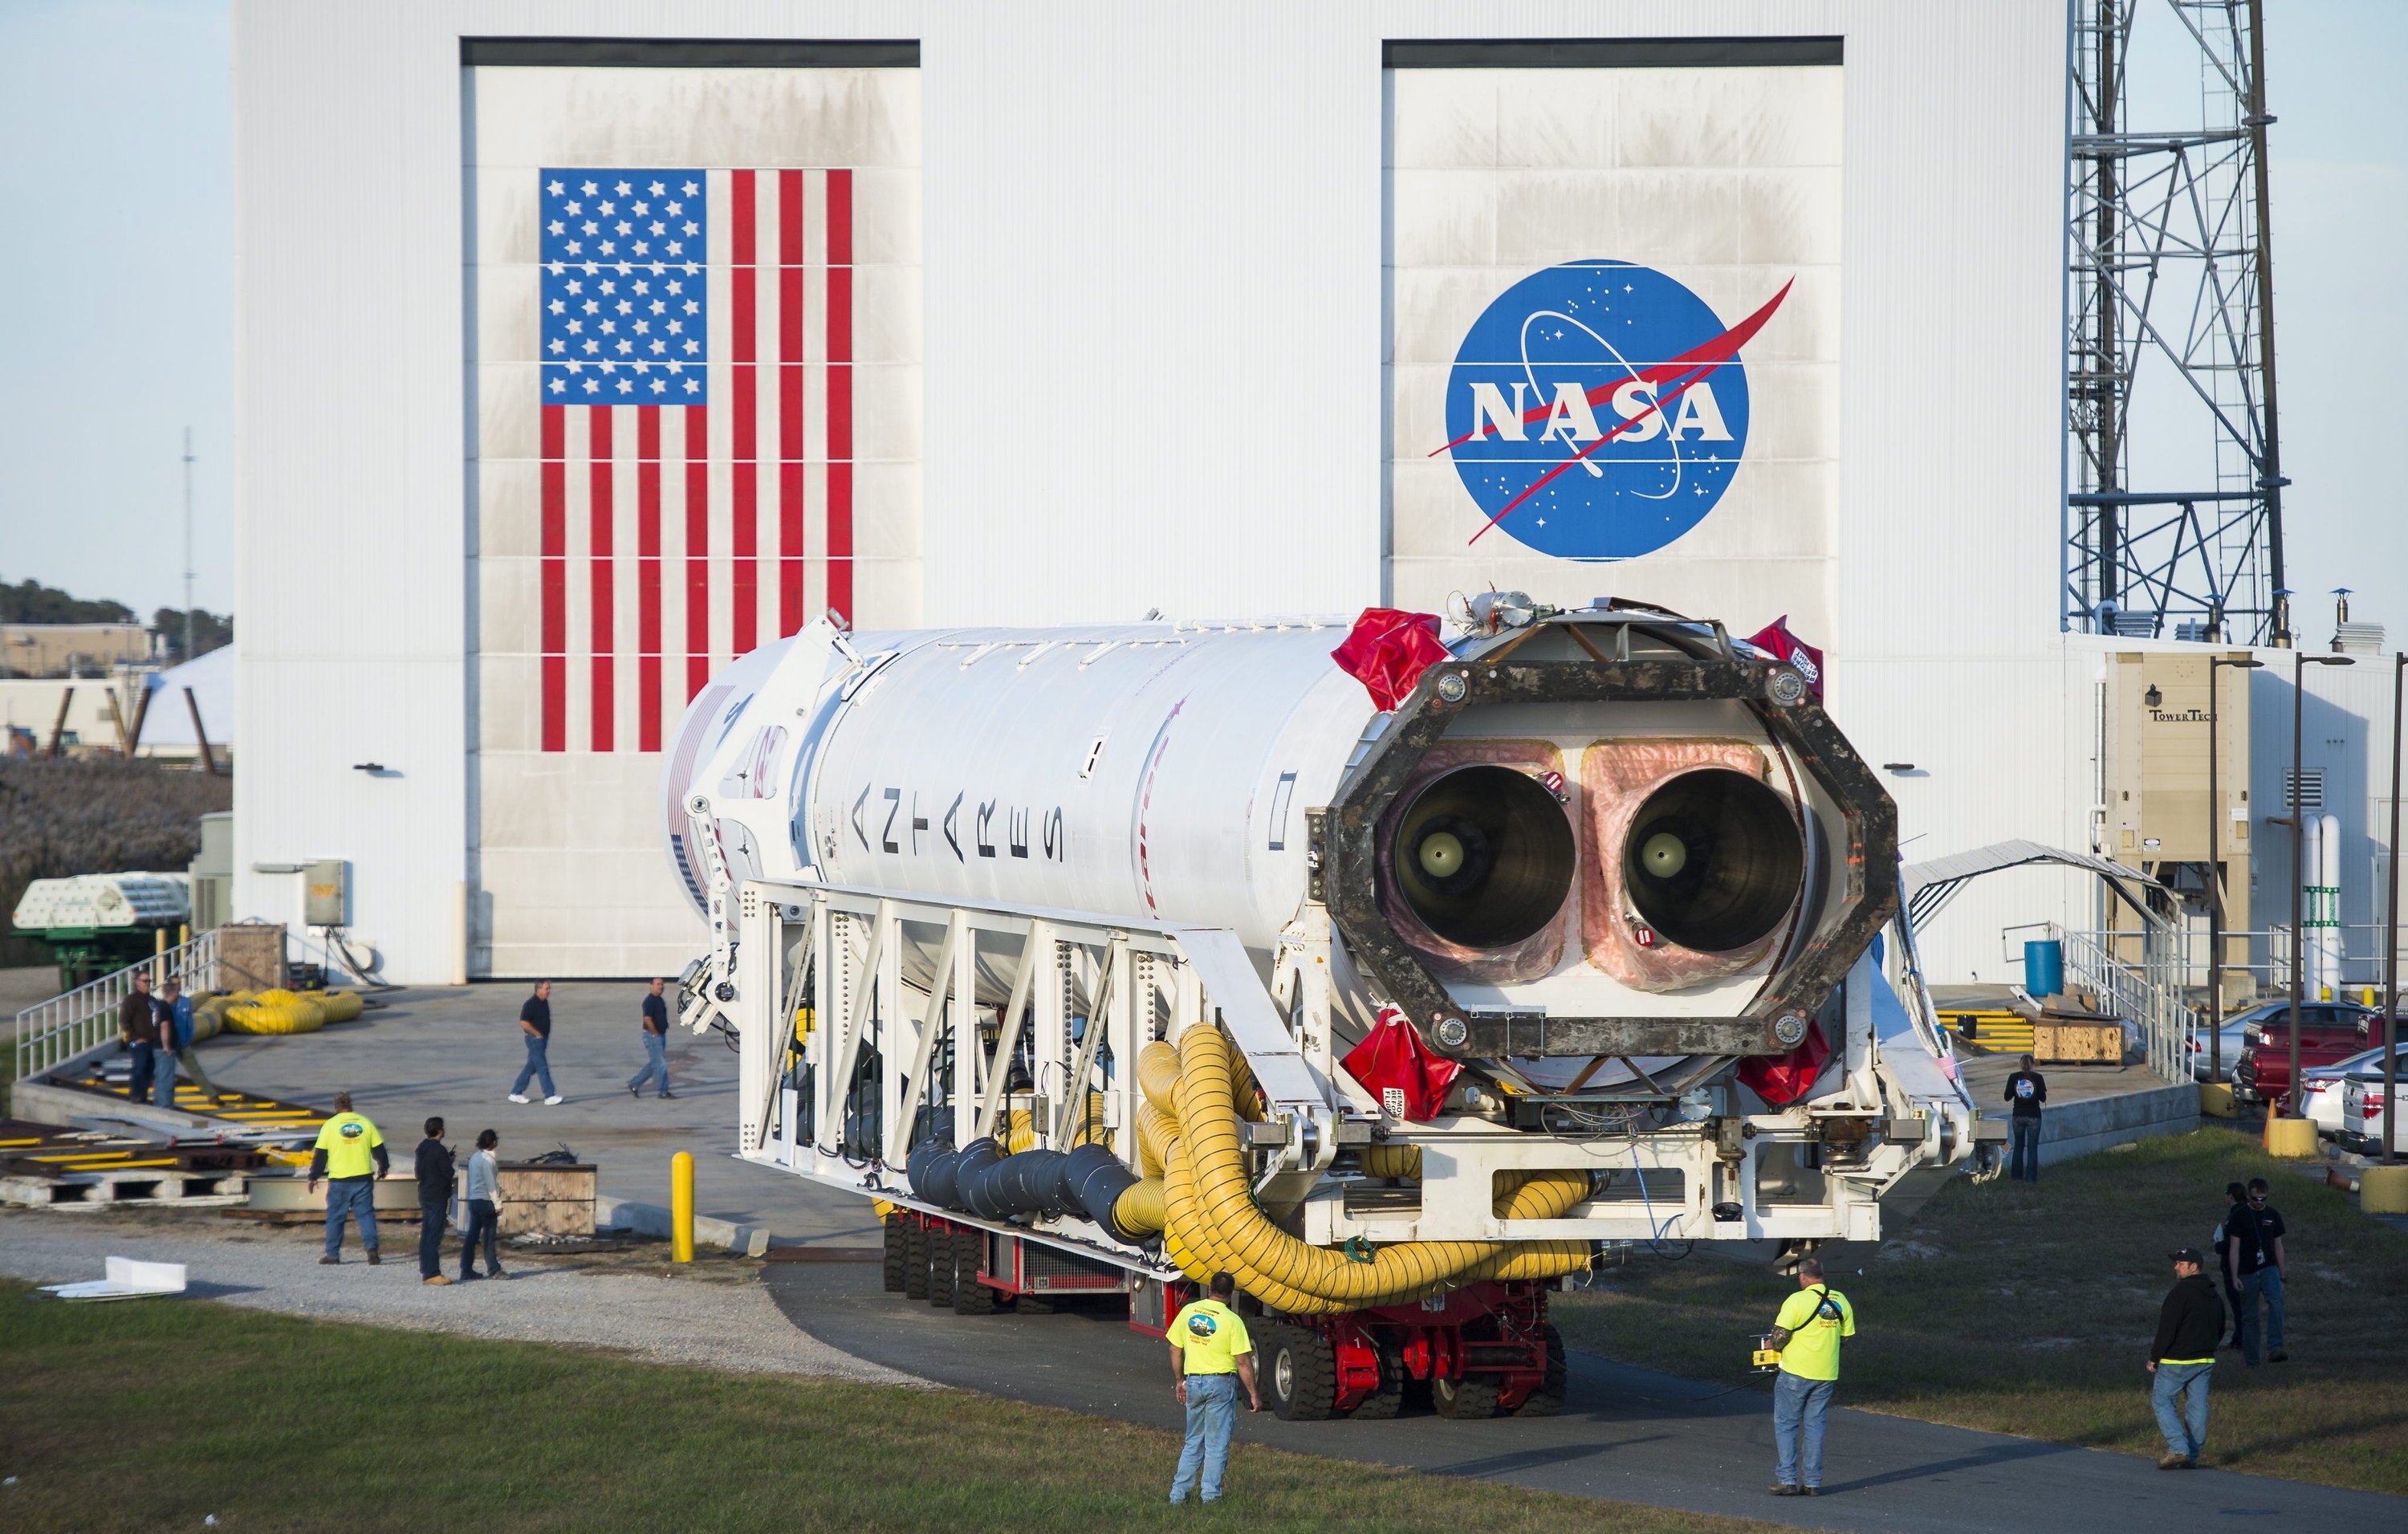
column 697, row 398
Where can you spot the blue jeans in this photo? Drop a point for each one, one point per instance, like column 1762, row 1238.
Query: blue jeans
column 2023, row 1163
column 1798, row 1403
column 164, row 1089
column 138, row 1084
column 431, row 1216
column 657, row 1062
column 2173, row 1382
column 483, row 1221
column 356, row 1197
column 2267, row 1280
column 536, row 1065
column 1211, row 1417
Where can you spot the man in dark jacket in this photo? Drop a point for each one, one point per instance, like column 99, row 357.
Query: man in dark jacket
column 2190, row 1325
column 435, row 1181
column 2027, row 1091
column 137, row 1029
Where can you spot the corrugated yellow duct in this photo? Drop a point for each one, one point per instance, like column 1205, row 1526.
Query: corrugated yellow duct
column 1213, row 1219
column 1403, row 1161
column 1153, row 1131
column 1140, row 1207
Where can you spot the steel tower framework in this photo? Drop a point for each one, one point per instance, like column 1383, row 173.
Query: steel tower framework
column 2170, row 278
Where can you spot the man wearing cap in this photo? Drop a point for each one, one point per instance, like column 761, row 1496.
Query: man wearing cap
column 349, row 1156
column 2190, row 1325
column 1807, row 1331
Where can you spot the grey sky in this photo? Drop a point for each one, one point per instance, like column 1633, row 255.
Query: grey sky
column 117, row 176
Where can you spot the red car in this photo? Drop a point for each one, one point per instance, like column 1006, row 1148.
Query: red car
column 2329, row 1031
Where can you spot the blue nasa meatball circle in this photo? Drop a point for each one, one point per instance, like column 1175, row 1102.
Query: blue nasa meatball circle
column 1548, row 372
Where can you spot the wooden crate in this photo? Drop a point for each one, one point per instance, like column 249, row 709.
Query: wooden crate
column 2058, row 1043
column 551, row 1198
column 251, row 956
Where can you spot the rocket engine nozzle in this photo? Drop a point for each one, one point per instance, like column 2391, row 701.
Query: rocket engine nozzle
column 1714, row 860
column 1484, row 856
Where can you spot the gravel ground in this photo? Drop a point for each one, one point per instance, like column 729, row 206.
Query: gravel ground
column 719, row 1315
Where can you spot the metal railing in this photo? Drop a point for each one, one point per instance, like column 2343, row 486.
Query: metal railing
column 2149, row 993
column 52, row 1033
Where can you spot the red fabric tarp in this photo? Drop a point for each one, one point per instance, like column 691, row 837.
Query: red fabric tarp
column 1783, row 1079
column 1388, row 649
column 1394, row 1059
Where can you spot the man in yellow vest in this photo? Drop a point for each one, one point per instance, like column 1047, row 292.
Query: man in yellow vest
column 1210, row 1354
column 1807, row 1332
column 349, row 1156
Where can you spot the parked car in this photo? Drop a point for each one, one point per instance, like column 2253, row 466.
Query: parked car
column 2321, row 1086
column 2204, row 1060
column 2329, row 1032
column 2362, row 1108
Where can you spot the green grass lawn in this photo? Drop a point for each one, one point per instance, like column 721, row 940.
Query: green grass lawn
column 152, row 1414
column 2036, row 1313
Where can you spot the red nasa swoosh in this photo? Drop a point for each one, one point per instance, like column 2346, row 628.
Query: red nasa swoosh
column 1699, row 362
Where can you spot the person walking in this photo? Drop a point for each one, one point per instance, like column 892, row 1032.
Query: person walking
column 2256, row 1269
column 482, row 1198
column 162, row 1011
column 2027, row 1090
column 436, row 1179
column 2182, row 1357
column 176, row 1034
column 656, row 1044
column 1807, row 1334
column 137, row 1029
column 350, row 1157
column 1211, row 1355
column 2235, row 1196
column 535, row 1024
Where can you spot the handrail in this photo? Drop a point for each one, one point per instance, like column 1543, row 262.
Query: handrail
column 52, row 1033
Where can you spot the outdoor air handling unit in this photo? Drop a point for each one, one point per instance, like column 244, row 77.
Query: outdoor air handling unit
column 1393, row 977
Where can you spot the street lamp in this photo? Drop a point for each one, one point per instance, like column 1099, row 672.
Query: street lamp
column 2215, row 819
column 2300, row 660
column 2391, row 930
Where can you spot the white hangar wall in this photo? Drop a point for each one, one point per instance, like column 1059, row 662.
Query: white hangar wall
column 1153, row 334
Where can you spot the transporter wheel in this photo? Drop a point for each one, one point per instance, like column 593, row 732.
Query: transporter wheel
column 1548, row 1398
column 1302, row 1370
column 894, row 1237
column 915, row 1262
column 941, row 1269
column 970, row 1296
column 1463, row 1399
column 1384, row 1402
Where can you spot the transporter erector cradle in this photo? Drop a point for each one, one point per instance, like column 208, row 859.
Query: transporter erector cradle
column 1059, row 941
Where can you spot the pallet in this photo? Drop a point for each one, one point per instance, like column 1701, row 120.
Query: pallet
column 143, row 1186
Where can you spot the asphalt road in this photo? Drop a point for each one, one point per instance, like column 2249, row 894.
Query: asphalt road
column 1626, row 1433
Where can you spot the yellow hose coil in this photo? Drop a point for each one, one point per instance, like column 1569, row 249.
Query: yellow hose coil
column 1155, row 1129
column 276, row 1012
column 1404, row 1161
column 1218, row 1219
column 1139, row 1207
column 208, row 1018
column 339, row 1005
column 1157, row 1077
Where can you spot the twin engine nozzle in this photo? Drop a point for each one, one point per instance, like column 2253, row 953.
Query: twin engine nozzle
column 1484, row 856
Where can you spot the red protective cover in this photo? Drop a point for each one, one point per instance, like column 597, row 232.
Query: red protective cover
column 1387, row 652
column 1776, row 639
column 1783, row 1079
column 1393, row 1058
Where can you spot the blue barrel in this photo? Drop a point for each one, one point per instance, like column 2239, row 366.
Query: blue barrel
column 2044, row 967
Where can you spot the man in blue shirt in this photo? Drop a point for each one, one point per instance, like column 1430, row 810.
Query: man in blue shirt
column 176, row 1044
column 657, row 1045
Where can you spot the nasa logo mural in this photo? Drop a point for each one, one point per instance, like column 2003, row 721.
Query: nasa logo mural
column 1599, row 409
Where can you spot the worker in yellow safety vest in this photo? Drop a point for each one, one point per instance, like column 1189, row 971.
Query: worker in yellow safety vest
column 1806, row 1333
column 1210, row 1354
column 349, row 1156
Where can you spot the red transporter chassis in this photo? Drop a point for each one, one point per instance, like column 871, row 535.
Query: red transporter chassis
column 1483, row 1350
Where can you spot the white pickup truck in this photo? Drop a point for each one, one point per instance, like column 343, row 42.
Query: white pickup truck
column 2362, row 1108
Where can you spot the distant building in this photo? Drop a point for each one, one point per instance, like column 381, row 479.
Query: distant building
column 71, row 650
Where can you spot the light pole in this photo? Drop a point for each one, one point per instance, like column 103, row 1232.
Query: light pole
column 2216, row 821
column 2301, row 661
column 2391, row 930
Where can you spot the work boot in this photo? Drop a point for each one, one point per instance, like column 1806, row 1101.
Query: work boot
column 1783, row 1489
column 1810, row 1491
column 434, row 1279
column 2173, row 1462
column 373, row 1258
column 330, row 1262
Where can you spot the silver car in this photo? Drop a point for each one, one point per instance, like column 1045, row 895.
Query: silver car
column 2324, row 1090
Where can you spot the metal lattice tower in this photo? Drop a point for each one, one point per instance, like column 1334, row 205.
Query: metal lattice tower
column 2170, row 280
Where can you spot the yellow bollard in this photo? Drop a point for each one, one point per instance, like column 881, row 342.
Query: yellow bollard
column 2383, row 1190
column 681, row 1207
column 2291, row 1139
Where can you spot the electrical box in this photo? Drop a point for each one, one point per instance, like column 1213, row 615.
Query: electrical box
column 326, row 893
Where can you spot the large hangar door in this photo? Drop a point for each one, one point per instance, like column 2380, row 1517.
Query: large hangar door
column 1614, row 280
column 695, row 316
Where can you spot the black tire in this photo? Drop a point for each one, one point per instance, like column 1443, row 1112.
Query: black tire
column 1300, row 1373
column 970, row 1296
column 1389, row 1398
column 915, row 1262
column 1548, row 1400
column 1463, row 1399
column 894, row 1236
column 941, row 1269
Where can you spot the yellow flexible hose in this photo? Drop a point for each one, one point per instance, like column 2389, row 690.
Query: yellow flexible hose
column 1401, row 1161
column 1140, row 1207
column 1214, row 1218
column 1155, row 1129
